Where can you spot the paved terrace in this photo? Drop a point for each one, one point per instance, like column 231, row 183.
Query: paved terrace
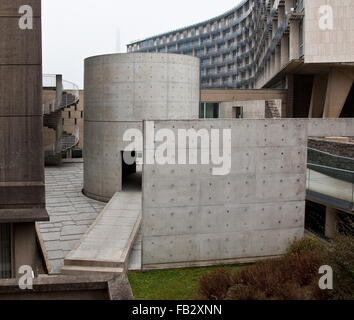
column 71, row 215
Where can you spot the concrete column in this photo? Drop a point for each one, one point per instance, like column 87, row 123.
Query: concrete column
column 272, row 64
column 164, row 81
column 284, row 50
column 25, row 250
column 290, row 101
column 281, row 13
column 59, row 88
column 294, row 40
column 277, row 59
column 21, row 116
column 318, row 96
column 338, row 88
column 331, row 228
column 274, row 28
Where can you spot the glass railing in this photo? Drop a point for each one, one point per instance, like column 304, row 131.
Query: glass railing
column 331, row 182
column 322, row 158
column 331, row 175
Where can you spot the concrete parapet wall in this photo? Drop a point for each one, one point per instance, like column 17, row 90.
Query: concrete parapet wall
column 191, row 217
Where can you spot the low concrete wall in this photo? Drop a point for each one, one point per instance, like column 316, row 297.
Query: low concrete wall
column 230, row 95
column 69, row 288
column 191, row 217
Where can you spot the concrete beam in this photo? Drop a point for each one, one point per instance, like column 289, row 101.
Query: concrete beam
column 294, row 49
column 331, row 227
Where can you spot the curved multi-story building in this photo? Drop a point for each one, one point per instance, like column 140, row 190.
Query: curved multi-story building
column 299, row 45
column 236, row 48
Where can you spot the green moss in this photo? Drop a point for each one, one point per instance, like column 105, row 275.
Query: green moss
column 175, row 284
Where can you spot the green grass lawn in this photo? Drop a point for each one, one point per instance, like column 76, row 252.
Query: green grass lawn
column 175, row 284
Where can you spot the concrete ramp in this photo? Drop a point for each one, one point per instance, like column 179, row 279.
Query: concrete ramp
column 106, row 246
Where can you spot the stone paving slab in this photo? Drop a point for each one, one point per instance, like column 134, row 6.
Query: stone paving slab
column 71, row 213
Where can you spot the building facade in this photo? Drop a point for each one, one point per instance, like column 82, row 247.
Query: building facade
column 300, row 45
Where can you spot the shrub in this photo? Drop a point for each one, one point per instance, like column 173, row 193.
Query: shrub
column 215, row 285
column 341, row 259
column 305, row 245
column 292, row 277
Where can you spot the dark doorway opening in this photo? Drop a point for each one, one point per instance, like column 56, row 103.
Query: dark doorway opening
column 348, row 109
column 315, row 218
column 131, row 172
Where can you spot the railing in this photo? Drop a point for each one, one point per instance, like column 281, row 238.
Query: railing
column 331, row 182
column 322, row 158
column 299, row 5
column 69, row 97
column 331, row 175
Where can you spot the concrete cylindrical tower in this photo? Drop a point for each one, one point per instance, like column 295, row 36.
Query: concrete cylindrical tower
column 121, row 90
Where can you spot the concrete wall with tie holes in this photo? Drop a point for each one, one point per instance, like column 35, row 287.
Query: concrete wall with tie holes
column 121, row 90
column 191, row 217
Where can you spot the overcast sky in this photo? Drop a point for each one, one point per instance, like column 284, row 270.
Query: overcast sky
column 76, row 29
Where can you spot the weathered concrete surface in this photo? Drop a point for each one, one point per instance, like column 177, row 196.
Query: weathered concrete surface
column 21, row 159
column 71, row 213
column 22, row 199
column 121, row 90
column 106, row 247
column 325, row 42
column 191, row 217
column 69, row 288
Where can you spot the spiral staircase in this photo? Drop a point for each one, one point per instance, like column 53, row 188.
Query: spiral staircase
column 67, row 95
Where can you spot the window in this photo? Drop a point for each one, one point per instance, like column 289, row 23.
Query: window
column 209, row 110
column 69, row 114
column 5, row 251
column 238, row 112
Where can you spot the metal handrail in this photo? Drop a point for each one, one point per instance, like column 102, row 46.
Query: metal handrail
column 330, row 154
column 57, row 146
column 331, row 168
